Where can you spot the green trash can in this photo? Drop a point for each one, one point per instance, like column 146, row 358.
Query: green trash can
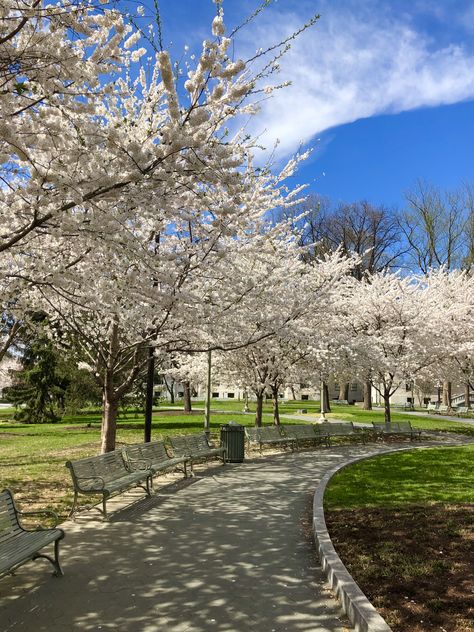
column 233, row 440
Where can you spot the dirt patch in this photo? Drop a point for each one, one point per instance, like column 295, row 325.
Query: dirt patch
column 416, row 564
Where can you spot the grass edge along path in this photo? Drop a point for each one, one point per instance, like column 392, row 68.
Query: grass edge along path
column 403, row 524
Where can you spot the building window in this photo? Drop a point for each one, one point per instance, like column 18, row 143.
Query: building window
column 215, row 394
column 353, row 388
column 336, row 386
column 409, row 400
column 180, row 393
column 304, row 398
column 230, row 395
column 408, row 387
column 281, row 395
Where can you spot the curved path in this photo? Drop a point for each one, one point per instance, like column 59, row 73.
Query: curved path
column 228, row 551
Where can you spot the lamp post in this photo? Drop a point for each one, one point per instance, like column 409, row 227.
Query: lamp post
column 149, row 392
column 322, row 418
column 207, row 418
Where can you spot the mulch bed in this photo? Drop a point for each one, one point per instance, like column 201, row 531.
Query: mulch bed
column 415, row 564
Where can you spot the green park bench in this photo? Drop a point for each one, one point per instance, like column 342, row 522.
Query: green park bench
column 394, row 428
column 443, row 410
column 343, row 430
column 268, row 435
column 462, row 411
column 432, row 407
column 195, row 448
column 156, row 457
column 107, row 475
column 305, row 434
column 19, row 545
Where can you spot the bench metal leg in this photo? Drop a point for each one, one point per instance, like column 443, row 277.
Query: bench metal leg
column 74, row 506
column 58, row 571
column 149, row 485
column 104, row 508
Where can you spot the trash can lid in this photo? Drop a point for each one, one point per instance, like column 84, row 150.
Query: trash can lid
column 232, row 425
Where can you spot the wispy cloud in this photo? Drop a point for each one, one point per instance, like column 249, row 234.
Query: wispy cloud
column 356, row 65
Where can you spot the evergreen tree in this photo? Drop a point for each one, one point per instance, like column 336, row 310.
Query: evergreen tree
column 38, row 388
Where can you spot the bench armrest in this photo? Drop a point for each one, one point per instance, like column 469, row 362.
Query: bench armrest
column 41, row 512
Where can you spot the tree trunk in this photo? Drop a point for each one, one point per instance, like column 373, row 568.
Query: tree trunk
column 327, row 407
column 15, row 328
column 109, row 421
column 386, row 402
column 447, row 393
column 367, row 395
column 467, row 394
column 344, row 391
column 258, row 414
column 187, row 397
column 170, row 389
column 293, row 394
column 276, row 408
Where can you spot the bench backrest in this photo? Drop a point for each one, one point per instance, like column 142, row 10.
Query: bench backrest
column 154, row 451
column 381, row 425
column 252, row 433
column 300, row 431
column 197, row 442
column 338, row 428
column 264, row 433
column 270, row 433
column 109, row 466
column 9, row 525
column 462, row 409
column 404, row 425
column 179, row 445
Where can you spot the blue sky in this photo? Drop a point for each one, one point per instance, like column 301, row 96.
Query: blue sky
column 383, row 92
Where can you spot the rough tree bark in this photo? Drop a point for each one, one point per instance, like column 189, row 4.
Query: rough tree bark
column 112, row 393
column 187, row 397
column 276, row 407
column 344, row 391
column 467, row 394
column 367, row 395
column 447, row 393
column 259, row 411
column 386, row 403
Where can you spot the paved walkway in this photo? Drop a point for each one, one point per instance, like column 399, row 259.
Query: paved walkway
column 228, row 551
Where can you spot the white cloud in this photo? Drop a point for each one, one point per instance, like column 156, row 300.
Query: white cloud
column 355, row 65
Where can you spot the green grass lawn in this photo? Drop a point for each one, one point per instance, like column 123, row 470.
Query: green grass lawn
column 32, row 456
column 393, row 480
